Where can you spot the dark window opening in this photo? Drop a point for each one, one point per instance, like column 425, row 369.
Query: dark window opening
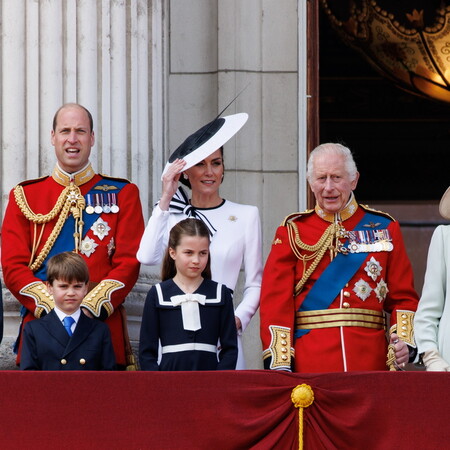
column 401, row 142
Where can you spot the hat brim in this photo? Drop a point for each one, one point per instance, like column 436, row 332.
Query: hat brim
column 232, row 124
column 444, row 205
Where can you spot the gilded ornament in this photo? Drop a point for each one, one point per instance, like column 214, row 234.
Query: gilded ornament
column 302, row 396
column 105, row 188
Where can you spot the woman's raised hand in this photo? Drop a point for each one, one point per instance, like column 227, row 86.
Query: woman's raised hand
column 170, row 183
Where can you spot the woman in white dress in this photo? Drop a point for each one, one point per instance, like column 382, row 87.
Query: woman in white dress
column 235, row 228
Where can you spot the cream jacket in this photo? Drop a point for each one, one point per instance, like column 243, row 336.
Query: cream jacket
column 432, row 319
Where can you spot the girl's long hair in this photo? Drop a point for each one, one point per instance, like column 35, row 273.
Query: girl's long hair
column 186, row 227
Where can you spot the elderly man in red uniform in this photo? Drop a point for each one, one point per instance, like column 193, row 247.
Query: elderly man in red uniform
column 330, row 278
column 74, row 209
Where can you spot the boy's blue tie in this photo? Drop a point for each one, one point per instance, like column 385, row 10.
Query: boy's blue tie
column 68, row 321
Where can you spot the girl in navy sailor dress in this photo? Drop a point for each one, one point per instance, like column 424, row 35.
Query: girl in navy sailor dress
column 188, row 314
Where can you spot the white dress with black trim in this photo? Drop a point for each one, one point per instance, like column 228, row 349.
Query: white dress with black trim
column 188, row 327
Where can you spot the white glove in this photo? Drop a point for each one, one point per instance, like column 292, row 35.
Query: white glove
column 434, row 362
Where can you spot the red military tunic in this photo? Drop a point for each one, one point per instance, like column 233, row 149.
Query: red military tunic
column 383, row 283
column 109, row 247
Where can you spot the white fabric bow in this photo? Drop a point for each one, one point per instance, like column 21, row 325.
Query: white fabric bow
column 189, row 309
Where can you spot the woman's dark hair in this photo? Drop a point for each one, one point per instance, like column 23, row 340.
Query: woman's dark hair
column 186, row 227
column 186, row 181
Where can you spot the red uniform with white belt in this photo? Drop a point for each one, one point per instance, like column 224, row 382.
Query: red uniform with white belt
column 108, row 239
column 346, row 332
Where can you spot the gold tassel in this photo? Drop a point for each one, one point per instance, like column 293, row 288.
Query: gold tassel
column 302, row 396
column 77, row 206
column 391, row 358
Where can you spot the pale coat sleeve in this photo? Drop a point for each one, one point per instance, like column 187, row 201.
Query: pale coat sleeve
column 432, row 319
column 253, row 268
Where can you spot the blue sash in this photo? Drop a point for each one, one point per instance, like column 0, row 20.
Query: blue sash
column 64, row 242
column 337, row 273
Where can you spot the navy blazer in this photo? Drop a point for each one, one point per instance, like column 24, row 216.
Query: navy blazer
column 47, row 345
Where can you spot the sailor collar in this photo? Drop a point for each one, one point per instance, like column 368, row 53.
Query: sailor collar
column 347, row 212
column 78, row 178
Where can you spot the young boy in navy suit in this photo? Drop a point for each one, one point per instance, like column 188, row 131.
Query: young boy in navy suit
column 66, row 338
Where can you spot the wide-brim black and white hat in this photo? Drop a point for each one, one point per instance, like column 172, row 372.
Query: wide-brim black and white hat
column 444, row 205
column 207, row 140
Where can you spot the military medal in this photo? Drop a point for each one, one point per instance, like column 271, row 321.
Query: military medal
column 381, row 290
column 366, row 241
column 362, row 289
column 106, row 207
column 100, row 228
column 114, row 205
column 88, row 246
column 98, row 204
column 89, row 208
column 373, row 268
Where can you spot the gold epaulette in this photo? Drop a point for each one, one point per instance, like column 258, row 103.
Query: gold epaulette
column 101, row 296
column 376, row 211
column 295, row 216
column 39, row 293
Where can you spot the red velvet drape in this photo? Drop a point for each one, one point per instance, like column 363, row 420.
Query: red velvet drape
column 222, row 410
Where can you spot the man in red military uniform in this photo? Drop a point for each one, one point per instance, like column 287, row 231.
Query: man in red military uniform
column 331, row 275
column 74, row 209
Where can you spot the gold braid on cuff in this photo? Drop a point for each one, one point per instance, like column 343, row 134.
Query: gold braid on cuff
column 38, row 292
column 280, row 348
column 405, row 327
column 101, row 296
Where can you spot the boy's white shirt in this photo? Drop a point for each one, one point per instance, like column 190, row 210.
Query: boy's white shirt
column 75, row 316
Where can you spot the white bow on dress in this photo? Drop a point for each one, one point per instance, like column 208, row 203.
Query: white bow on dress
column 189, row 309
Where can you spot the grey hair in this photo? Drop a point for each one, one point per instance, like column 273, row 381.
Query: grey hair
column 335, row 149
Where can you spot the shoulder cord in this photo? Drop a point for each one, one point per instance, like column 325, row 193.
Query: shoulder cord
column 318, row 249
column 70, row 200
